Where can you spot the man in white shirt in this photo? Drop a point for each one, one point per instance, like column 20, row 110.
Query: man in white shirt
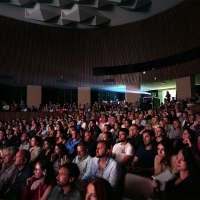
column 123, row 152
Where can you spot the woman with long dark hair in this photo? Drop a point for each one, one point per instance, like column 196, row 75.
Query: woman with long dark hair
column 40, row 185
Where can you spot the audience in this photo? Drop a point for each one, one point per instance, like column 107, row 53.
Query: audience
column 102, row 166
column 125, row 132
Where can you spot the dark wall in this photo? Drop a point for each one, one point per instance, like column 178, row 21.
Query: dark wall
column 39, row 55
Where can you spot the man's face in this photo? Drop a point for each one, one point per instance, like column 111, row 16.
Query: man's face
column 63, row 178
column 87, row 137
column 134, row 130
column 101, row 150
column 19, row 160
column 7, row 158
column 147, row 139
column 81, row 151
column 24, row 137
column 122, row 136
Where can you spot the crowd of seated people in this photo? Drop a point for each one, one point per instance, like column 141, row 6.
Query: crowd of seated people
column 86, row 155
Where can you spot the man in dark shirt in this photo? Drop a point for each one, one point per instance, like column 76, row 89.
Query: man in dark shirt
column 66, row 179
column 143, row 162
column 94, row 129
column 91, row 143
column 13, row 189
column 136, row 139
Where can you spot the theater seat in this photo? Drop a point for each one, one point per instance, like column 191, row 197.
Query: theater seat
column 136, row 187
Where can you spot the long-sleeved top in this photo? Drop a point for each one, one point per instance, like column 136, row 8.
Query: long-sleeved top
column 111, row 172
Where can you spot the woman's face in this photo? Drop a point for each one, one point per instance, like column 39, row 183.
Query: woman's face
column 46, row 145
column 33, row 142
column 58, row 134
column 38, row 172
column 161, row 151
column 158, row 132
column 91, row 193
column 186, row 135
column 180, row 162
column 57, row 150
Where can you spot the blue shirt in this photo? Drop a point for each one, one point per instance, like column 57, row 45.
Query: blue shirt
column 71, row 146
column 111, row 172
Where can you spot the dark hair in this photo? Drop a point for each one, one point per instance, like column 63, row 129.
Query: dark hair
column 103, row 188
column 163, row 131
column 49, row 140
column 25, row 154
column 62, row 149
column 106, row 143
column 135, row 125
column 49, row 175
column 125, row 130
column 150, row 132
column 38, row 140
column 191, row 161
column 73, row 170
column 83, row 144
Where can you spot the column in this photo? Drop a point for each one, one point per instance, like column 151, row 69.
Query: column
column 132, row 93
column 84, row 95
column 185, row 87
column 34, row 95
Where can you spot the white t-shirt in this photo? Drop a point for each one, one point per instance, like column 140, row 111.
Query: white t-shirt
column 122, row 150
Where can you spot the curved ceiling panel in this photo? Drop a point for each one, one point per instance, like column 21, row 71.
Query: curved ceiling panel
column 83, row 13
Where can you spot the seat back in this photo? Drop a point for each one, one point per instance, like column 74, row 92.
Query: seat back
column 137, row 187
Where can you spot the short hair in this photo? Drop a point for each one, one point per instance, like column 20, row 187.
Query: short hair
column 73, row 170
column 13, row 150
column 26, row 154
column 125, row 130
column 150, row 132
column 92, row 120
column 135, row 125
column 49, row 140
column 83, row 144
column 106, row 143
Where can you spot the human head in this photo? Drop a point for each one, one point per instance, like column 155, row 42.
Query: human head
column 148, row 137
column 103, row 149
column 123, row 134
column 24, row 138
column 22, row 158
column 159, row 132
column 99, row 189
column 36, row 141
column 107, row 136
column 163, row 150
column 60, row 149
column 87, row 136
column 67, row 174
column 44, row 169
column 82, row 149
column 186, row 161
column 48, row 143
column 3, row 135
column 134, row 130
column 9, row 155
column 187, row 134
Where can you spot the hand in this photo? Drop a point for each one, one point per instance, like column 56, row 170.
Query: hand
column 154, row 183
column 30, row 180
column 189, row 142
